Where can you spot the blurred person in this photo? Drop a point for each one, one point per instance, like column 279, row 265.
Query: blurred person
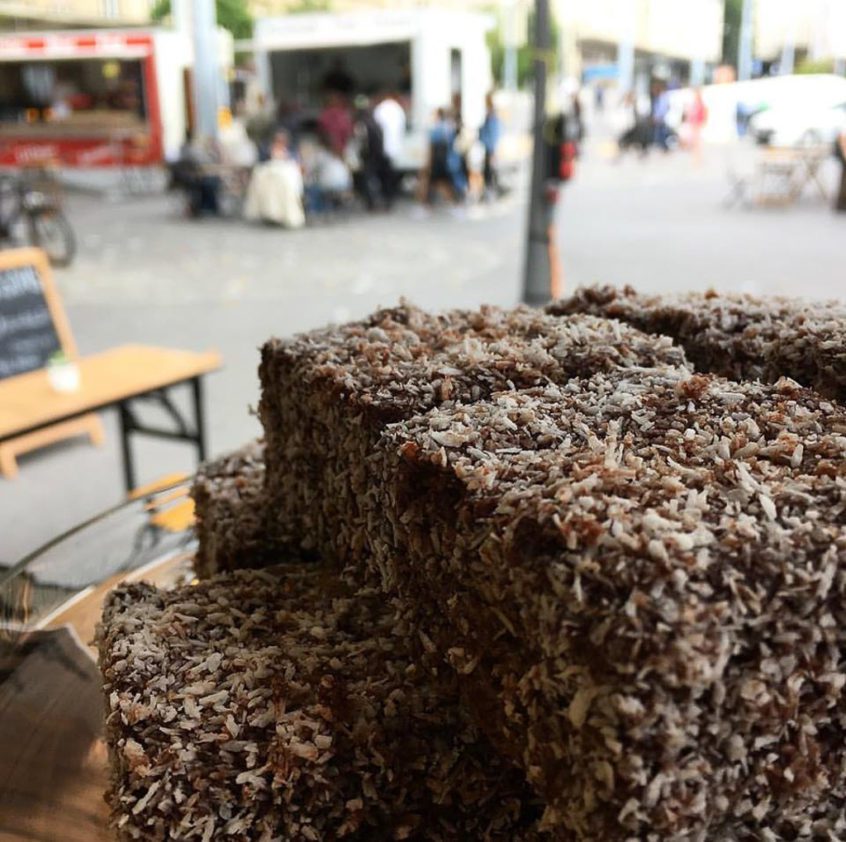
column 439, row 174
column 840, row 152
column 260, row 126
column 194, row 172
column 335, row 123
column 599, row 98
column 275, row 191
column 462, row 143
column 639, row 132
column 660, row 110
column 328, row 180
column 576, row 115
column 490, row 134
column 695, row 117
column 236, row 147
column 338, row 79
column 390, row 116
column 372, row 175
column 289, row 118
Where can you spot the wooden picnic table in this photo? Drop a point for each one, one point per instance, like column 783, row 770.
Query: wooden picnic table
column 115, row 378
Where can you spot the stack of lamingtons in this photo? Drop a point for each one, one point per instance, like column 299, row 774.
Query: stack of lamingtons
column 536, row 577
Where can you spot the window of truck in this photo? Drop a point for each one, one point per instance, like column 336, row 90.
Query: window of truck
column 72, row 96
column 301, row 77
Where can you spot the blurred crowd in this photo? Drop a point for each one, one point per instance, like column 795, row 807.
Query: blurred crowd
column 653, row 126
column 286, row 164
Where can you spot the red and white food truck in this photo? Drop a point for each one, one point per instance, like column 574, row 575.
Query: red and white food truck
column 101, row 98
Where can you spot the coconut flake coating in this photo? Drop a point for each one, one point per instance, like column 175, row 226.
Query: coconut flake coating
column 738, row 336
column 285, row 704
column 326, row 395
column 634, row 571
column 230, row 513
column 640, row 578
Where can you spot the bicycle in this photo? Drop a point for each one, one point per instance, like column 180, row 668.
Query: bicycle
column 31, row 214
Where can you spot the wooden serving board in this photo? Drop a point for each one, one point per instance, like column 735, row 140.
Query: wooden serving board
column 53, row 763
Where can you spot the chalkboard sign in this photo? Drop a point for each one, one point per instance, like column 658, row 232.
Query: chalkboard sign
column 32, row 323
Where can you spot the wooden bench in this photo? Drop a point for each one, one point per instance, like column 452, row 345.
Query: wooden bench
column 116, row 378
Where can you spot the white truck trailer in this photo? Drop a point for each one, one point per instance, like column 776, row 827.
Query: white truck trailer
column 427, row 56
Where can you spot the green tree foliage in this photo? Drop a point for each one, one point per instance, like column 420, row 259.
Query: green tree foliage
column 231, row 14
column 310, row 6
column 525, row 54
column 732, row 16
column 823, row 65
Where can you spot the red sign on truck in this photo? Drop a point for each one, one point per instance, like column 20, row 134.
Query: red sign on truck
column 87, row 99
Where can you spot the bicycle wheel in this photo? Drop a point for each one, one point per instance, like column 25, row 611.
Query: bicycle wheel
column 52, row 232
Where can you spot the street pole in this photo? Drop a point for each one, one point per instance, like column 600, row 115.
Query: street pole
column 744, row 50
column 206, row 71
column 537, row 275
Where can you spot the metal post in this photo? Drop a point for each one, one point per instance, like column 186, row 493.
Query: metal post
column 206, row 70
column 744, row 50
column 537, row 276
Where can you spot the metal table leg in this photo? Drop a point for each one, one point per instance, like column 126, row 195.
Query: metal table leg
column 126, row 426
column 199, row 420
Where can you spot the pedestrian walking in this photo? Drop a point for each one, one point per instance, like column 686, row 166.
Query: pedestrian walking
column 442, row 171
column 695, row 118
column 490, row 134
column 660, row 110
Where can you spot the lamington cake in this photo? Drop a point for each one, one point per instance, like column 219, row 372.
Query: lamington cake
column 738, row 336
column 231, row 518
column 327, row 396
column 284, row 704
column 634, row 570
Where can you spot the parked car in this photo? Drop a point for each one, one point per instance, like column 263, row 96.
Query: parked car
column 799, row 124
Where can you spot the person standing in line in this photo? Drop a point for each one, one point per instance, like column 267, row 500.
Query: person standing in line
column 390, row 116
column 489, row 135
column 840, row 151
column 335, row 124
column 370, row 179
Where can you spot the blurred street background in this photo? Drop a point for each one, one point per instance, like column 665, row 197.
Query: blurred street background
column 739, row 200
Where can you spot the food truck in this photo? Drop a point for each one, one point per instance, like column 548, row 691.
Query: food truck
column 100, row 98
column 428, row 57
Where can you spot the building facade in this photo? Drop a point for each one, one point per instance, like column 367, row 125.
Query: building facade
column 59, row 14
column 787, row 32
column 620, row 39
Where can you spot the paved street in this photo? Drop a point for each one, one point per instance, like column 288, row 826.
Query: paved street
column 145, row 275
